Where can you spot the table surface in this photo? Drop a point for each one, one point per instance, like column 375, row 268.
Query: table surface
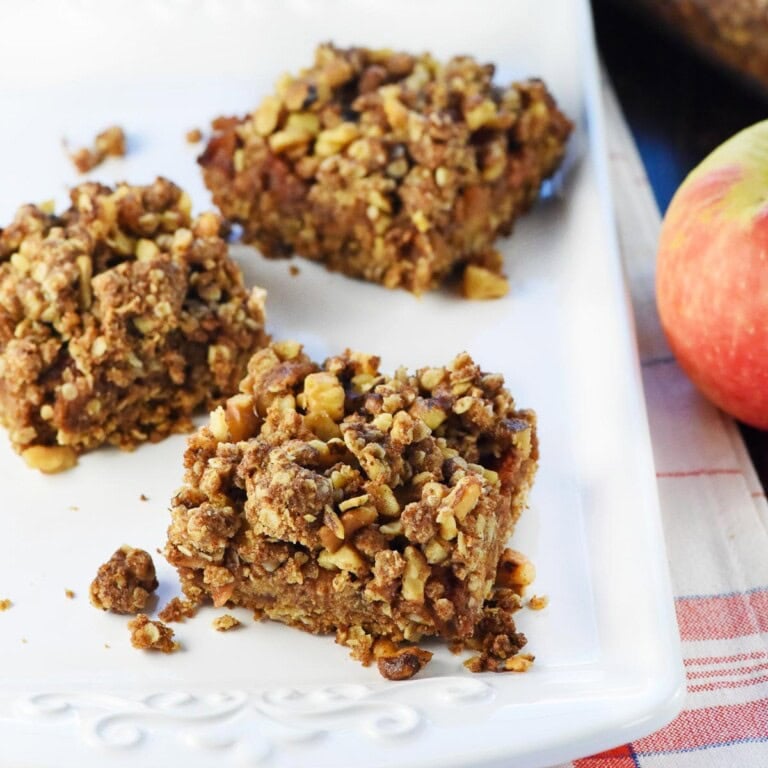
column 679, row 107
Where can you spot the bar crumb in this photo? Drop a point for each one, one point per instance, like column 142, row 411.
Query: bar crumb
column 225, row 623
column 69, row 594
column 108, row 143
column 5, row 604
column 194, row 136
column 178, row 609
column 148, row 635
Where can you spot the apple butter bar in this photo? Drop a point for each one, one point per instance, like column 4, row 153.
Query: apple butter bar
column 389, row 167
column 118, row 319
column 337, row 499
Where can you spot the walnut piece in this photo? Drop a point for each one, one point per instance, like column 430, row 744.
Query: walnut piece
column 125, row 582
column 148, row 635
column 404, row 663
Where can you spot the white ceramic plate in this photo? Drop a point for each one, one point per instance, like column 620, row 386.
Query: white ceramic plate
column 73, row 692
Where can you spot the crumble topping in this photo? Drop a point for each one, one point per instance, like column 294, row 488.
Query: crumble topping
column 178, row 609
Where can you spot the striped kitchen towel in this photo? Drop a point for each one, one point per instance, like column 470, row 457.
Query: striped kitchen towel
column 715, row 522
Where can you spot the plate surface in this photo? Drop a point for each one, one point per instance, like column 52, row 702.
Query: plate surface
column 72, row 690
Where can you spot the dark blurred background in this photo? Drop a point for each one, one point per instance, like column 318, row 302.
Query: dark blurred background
column 680, row 105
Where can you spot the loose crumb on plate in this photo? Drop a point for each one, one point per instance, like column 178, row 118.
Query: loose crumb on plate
column 178, row 609
column 538, row 602
column 403, row 663
column 109, row 143
column 125, row 582
column 143, row 497
column 5, row 604
column 225, row 623
column 294, row 270
column 69, row 594
column 148, row 635
column 194, row 135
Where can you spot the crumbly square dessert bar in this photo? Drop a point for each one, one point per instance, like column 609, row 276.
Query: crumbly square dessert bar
column 386, row 166
column 338, row 499
column 118, row 318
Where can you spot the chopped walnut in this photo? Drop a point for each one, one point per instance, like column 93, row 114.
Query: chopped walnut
column 515, row 571
column 394, row 168
column 481, row 283
column 330, row 497
column 225, row 623
column 109, row 143
column 118, row 319
column 125, row 582
column 178, row 609
column 404, row 663
column 148, row 635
